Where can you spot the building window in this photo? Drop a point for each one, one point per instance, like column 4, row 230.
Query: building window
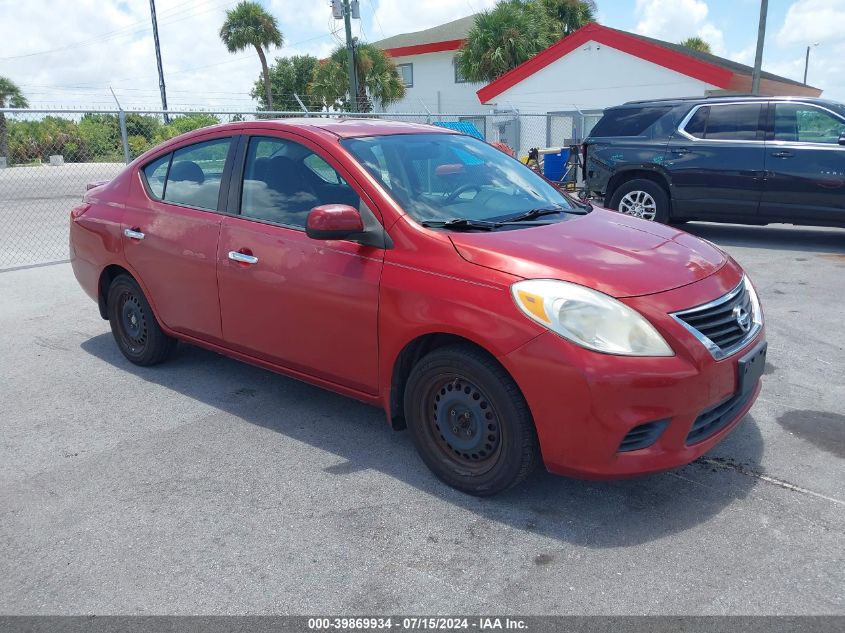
column 459, row 77
column 406, row 72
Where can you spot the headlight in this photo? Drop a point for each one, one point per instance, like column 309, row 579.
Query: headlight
column 589, row 318
column 756, row 308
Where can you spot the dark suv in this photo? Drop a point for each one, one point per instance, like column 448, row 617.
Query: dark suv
column 752, row 160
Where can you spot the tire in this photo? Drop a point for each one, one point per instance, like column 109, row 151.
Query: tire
column 642, row 199
column 469, row 421
column 133, row 324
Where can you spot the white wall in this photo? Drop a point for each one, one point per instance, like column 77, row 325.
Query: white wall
column 597, row 76
column 434, row 86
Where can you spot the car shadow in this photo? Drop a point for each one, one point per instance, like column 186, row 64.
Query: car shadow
column 588, row 513
column 778, row 237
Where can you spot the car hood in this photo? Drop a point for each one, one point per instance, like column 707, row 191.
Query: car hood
column 604, row 250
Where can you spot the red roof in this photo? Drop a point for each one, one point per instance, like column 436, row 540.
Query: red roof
column 710, row 69
column 620, row 40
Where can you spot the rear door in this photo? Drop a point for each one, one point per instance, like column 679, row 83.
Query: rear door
column 170, row 237
column 308, row 305
column 715, row 161
column 805, row 165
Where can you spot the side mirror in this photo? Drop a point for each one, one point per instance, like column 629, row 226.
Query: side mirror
column 333, row 222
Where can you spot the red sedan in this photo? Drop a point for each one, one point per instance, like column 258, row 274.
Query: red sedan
column 426, row 272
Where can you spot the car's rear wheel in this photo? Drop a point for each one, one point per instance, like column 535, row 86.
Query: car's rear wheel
column 642, row 198
column 469, row 421
column 133, row 324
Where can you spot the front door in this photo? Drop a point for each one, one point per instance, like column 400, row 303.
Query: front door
column 716, row 163
column 170, row 237
column 308, row 305
column 805, row 166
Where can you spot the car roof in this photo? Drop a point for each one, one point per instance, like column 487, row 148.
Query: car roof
column 720, row 99
column 341, row 127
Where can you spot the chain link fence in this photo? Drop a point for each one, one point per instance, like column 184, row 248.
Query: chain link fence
column 47, row 157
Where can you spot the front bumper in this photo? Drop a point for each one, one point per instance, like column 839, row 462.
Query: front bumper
column 585, row 403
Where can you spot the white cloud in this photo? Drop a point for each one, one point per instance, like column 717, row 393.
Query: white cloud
column 808, row 22
column 102, row 43
column 811, row 21
column 401, row 16
column 676, row 20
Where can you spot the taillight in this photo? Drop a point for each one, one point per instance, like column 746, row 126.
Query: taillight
column 78, row 211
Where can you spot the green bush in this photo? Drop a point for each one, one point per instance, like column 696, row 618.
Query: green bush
column 94, row 137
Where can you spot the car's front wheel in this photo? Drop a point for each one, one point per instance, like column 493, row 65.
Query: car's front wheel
column 133, row 324
column 642, row 199
column 469, row 421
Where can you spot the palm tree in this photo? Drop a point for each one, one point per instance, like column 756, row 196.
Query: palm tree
column 378, row 79
column 504, row 37
column 569, row 15
column 248, row 24
column 696, row 44
column 10, row 97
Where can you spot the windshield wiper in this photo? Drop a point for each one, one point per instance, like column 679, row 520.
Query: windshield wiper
column 532, row 214
column 462, row 224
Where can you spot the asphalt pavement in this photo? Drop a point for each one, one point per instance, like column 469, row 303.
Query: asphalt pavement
column 208, row 486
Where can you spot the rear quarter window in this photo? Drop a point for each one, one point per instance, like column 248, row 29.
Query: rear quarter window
column 155, row 173
column 628, row 121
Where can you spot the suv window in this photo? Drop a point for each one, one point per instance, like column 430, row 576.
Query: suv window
column 284, row 180
column 628, row 121
column 806, row 124
column 733, row 122
column 155, row 173
column 195, row 174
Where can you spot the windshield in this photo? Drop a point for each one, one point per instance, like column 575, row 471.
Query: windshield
column 447, row 176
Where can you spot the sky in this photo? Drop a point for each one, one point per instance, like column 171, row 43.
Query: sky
column 68, row 53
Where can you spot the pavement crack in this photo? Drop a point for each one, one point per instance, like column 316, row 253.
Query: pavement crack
column 729, row 464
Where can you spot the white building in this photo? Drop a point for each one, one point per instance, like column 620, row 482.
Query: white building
column 574, row 79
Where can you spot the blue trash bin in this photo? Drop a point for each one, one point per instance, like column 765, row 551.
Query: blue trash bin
column 555, row 164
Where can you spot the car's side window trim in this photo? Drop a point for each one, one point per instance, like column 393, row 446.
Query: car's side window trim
column 770, row 131
column 226, row 176
column 761, row 136
column 235, row 185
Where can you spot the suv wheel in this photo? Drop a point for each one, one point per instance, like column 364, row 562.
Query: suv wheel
column 642, row 199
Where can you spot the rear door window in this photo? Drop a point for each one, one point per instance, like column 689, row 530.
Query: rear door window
column 195, row 174
column 628, row 121
column 734, row 122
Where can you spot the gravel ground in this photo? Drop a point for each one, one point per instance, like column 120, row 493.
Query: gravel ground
column 208, row 486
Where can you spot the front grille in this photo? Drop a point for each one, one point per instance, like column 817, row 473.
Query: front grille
column 716, row 418
column 725, row 324
column 642, row 436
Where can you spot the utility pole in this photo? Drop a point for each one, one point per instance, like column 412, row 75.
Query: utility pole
column 758, row 58
column 807, row 61
column 350, row 56
column 158, row 62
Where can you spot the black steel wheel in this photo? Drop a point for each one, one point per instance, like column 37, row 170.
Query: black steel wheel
column 133, row 324
column 469, row 421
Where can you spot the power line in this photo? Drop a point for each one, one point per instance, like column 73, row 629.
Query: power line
column 122, row 32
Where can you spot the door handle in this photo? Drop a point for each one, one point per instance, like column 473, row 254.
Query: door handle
column 242, row 258
column 783, row 154
column 133, row 234
column 680, row 151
